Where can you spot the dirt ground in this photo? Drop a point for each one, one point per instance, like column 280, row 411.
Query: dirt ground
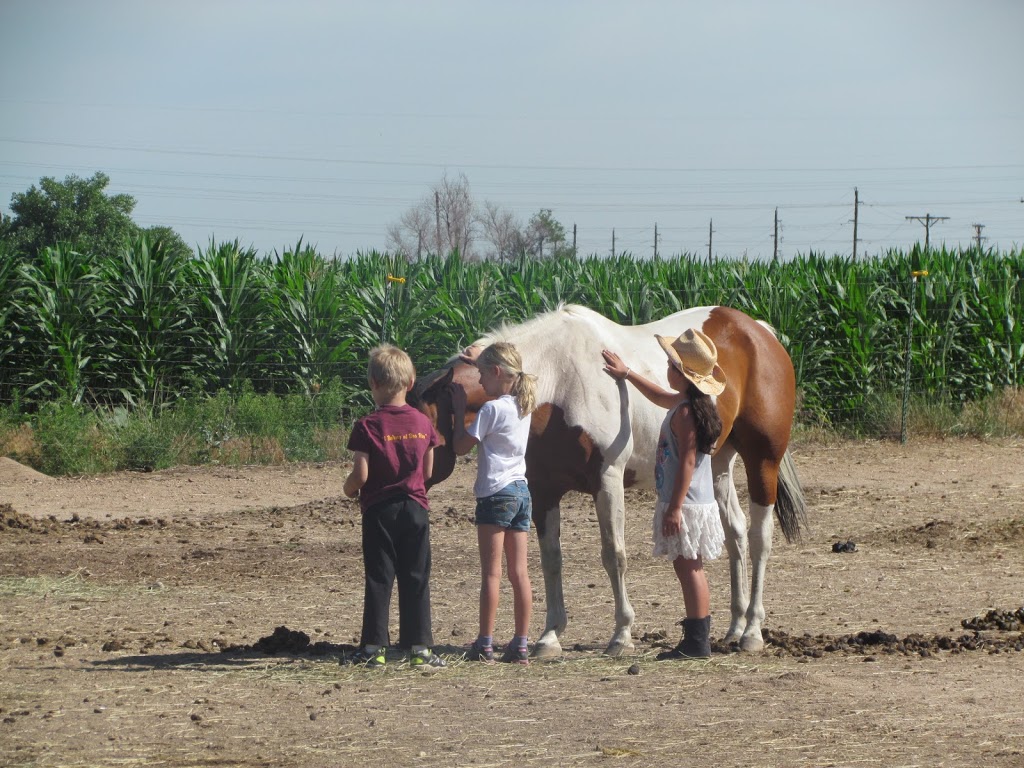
column 120, row 594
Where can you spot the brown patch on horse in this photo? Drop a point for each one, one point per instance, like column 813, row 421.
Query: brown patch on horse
column 559, row 459
column 758, row 402
column 560, row 455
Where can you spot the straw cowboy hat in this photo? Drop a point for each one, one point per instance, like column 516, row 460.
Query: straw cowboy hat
column 696, row 357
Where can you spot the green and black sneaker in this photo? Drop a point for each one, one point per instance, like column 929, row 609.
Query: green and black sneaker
column 364, row 658
column 426, row 659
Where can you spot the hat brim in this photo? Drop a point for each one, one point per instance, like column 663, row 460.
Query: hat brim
column 712, row 384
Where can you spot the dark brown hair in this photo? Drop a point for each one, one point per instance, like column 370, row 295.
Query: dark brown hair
column 707, row 419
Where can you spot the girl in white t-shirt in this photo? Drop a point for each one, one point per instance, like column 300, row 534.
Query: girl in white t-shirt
column 503, row 504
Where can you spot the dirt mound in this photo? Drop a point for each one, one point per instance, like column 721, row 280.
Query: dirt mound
column 13, row 473
column 937, row 534
column 11, row 519
column 334, row 510
column 1008, row 621
column 289, row 641
column 869, row 644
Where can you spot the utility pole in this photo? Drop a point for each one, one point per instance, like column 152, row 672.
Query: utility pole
column 775, row 253
column 927, row 220
column 437, row 220
column 977, row 235
column 856, row 203
column 710, row 233
column 574, row 254
column 613, row 243
column 655, row 241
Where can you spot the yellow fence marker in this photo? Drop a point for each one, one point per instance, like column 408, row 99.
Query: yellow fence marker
column 387, row 305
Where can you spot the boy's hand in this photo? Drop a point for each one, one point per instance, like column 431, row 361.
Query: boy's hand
column 458, row 395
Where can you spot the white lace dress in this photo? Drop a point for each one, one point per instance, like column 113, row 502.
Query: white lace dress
column 701, row 532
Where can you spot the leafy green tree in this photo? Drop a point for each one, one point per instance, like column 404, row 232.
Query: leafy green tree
column 547, row 235
column 76, row 212
column 169, row 240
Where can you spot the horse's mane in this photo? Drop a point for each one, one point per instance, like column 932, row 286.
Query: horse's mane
column 541, row 323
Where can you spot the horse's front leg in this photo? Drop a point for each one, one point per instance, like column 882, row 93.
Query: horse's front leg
column 547, row 516
column 611, row 515
column 735, row 524
column 761, row 526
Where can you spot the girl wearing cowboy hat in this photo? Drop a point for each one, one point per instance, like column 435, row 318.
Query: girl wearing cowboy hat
column 687, row 526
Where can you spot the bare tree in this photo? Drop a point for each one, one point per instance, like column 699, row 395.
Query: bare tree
column 502, row 231
column 413, row 235
column 442, row 222
column 447, row 220
column 455, row 209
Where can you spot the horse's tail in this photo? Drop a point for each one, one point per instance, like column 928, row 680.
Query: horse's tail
column 790, row 507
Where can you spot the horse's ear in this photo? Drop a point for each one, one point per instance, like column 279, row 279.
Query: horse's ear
column 426, row 390
column 438, row 382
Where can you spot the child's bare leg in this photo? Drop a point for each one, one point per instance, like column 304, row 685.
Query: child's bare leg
column 490, row 538
column 516, row 547
column 693, row 580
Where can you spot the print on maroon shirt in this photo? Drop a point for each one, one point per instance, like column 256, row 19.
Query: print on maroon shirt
column 396, row 438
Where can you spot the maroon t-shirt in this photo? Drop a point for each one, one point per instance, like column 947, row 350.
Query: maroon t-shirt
column 396, row 437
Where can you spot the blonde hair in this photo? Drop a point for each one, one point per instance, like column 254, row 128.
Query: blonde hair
column 390, row 369
column 524, row 385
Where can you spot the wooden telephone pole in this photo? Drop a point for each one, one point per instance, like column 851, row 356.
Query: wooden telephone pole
column 977, row 235
column 856, row 204
column 927, row 220
column 775, row 252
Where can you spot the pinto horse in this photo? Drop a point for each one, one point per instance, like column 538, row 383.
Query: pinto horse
column 595, row 435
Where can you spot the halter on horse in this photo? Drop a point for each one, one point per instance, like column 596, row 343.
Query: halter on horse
column 593, row 435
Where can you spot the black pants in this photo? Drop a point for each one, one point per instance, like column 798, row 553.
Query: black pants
column 396, row 542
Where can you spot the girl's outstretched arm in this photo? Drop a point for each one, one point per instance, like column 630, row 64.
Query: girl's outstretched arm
column 618, row 370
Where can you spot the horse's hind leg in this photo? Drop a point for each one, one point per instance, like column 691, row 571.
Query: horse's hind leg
column 547, row 517
column 611, row 516
column 735, row 524
column 762, row 482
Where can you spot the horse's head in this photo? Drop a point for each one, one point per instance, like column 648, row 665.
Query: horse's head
column 432, row 396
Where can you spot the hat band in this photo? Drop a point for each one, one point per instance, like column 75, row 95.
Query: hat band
column 698, row 374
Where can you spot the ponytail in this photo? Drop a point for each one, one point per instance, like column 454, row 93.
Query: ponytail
column 524, row 390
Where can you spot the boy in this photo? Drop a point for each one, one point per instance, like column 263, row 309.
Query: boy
column 393, row 450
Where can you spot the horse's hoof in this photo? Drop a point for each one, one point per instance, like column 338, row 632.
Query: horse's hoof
column 542, row 651
column 618, row 648
column 752, row 643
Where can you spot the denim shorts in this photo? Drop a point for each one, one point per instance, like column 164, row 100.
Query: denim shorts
column 510, row 508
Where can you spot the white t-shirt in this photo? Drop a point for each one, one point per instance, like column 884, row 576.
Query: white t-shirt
column 502, row 434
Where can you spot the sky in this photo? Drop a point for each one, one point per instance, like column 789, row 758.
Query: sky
column 266, row 121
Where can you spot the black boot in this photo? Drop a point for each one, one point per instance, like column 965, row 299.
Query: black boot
column 696, row 642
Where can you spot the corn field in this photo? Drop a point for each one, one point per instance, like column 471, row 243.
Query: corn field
column 146, row 327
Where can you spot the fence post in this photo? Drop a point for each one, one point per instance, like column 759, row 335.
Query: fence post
column 911, row 306
column 387, row 305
